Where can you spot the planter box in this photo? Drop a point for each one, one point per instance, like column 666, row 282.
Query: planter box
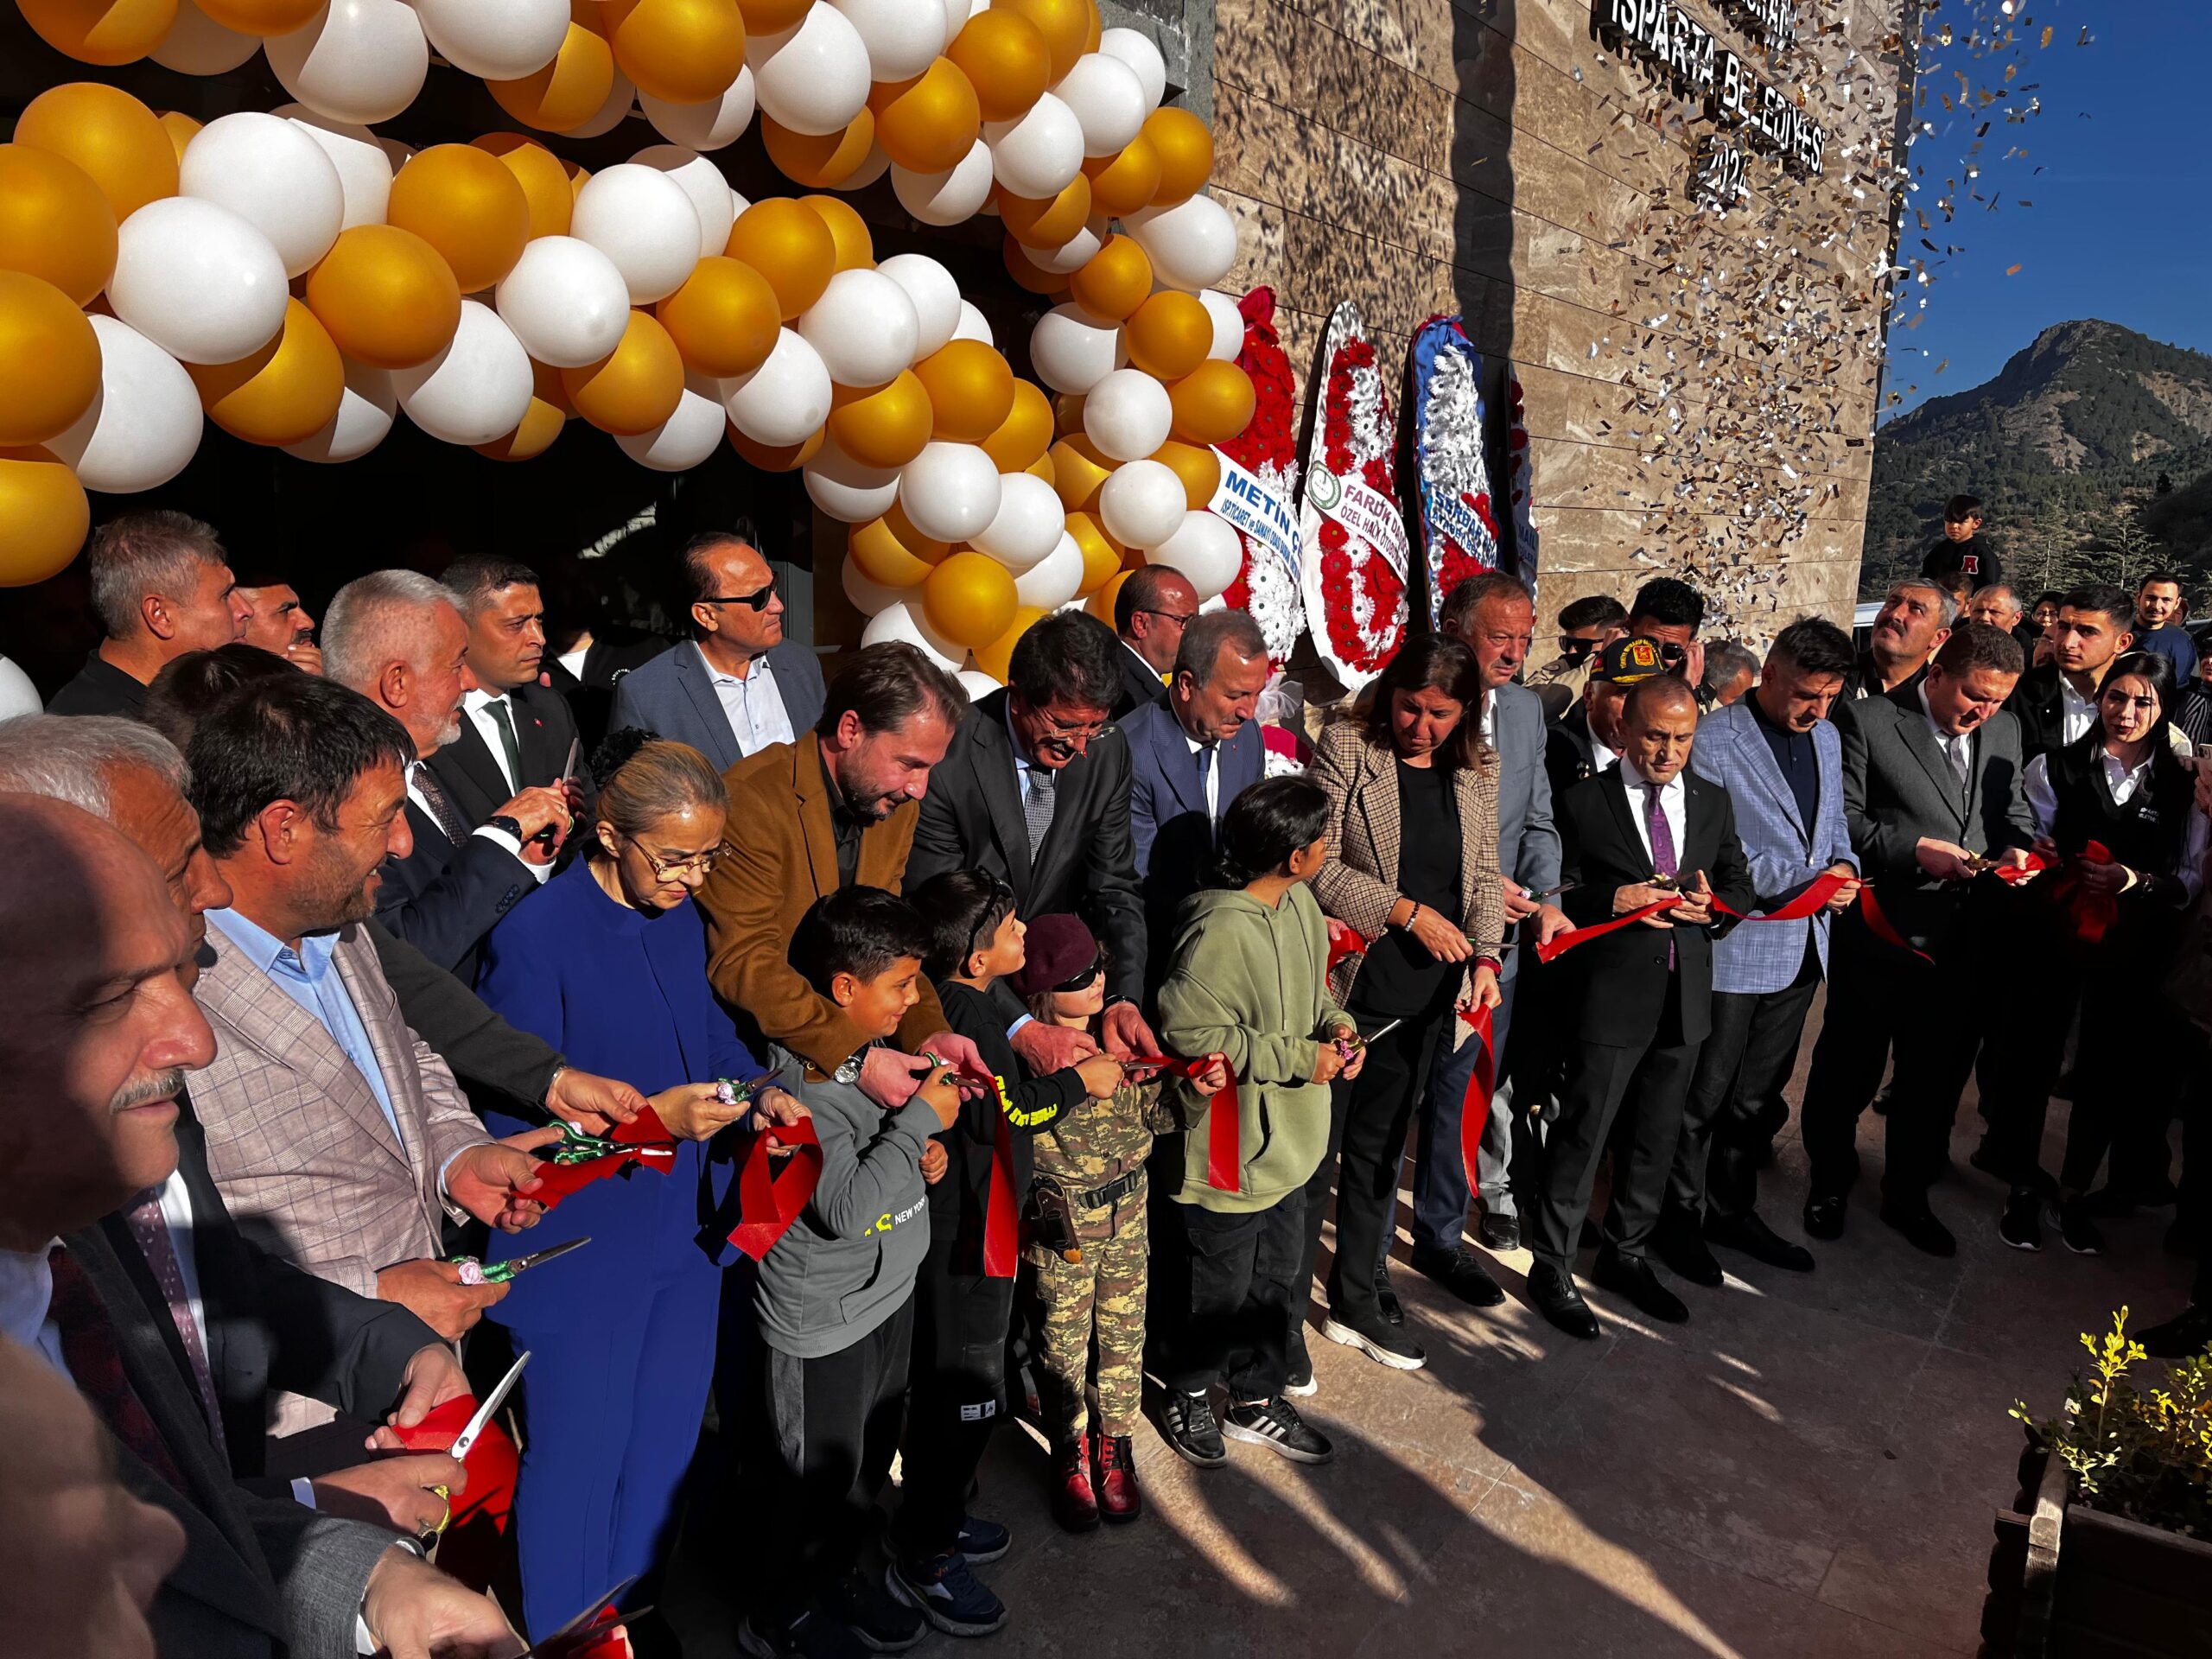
column 2068, row 1583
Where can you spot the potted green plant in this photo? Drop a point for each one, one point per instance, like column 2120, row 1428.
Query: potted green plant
column 2107, row 1549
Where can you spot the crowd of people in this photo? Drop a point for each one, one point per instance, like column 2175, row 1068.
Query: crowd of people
column 876, row 1064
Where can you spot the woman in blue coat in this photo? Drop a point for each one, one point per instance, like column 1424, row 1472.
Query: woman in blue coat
column 608, row 963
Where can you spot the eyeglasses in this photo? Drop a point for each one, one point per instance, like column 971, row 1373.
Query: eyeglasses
column 667, row 869
column 1079, row 982
column 1054, row 732
column 1575, row 648
column 1181, row 619
column 756, row 601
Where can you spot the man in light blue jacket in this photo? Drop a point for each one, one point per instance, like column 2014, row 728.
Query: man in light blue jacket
column 1782, row 764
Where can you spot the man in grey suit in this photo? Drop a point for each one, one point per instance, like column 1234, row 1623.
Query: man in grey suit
column 1782, row 764
column 739, row 686
column 1932, row 790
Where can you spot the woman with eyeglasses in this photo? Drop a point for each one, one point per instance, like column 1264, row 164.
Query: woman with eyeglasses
column 608, row 963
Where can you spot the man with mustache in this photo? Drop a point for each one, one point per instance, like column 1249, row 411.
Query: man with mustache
column 278, row 623
column 1913, row 623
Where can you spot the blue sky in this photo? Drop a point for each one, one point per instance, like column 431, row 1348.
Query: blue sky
column 2120, row 226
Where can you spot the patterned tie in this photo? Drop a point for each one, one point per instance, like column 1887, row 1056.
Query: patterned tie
column 1205, row 778
column 1662, row 848
column 440, row 804
column 89, row 1349
column 503, row 717
column 1038, row 808
column 151, row 1229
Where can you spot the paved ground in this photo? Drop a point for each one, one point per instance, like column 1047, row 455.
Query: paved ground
column 1808, row 1468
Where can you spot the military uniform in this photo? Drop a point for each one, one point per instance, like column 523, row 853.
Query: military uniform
column 1097, row 1149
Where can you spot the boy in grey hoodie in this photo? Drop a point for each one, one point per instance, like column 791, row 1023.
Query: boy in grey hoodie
column 833, row 1299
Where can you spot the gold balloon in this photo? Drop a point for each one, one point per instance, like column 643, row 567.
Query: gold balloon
column 927, row 124
column 1065, row 25
column 1006, row 61
column 724, row 318
column 566, row 92
column 970, row 598
column 540, row 423
column 635, row 387
column 579, row 177
column 387, row 296
column 855, row 247
column 1048, row 223
column 1102, row 586
column 772, row 16
column 1101, row 554
column 1185, row 147
column 1212, row 403
column 1042, row 467
column 50, row 360
column 1067, row 416
column 1079, row 472
column 819, row 161
column 1114, row 281
column 891, row 553
column 787, row 243
column 108, row 133
column 101, row 31
column 181, row 128
column 546, row 388
column 282, row 393
column 262, row 17
column 1122, row 182
column 1027, row 272
column 543, row 177
column 1197, row 466
column 1026, row 433
column 465, row 203
column 996, row 659
column 685, row 51
column 776, row 458
column 1169, row 334
column 970, row 388
column 887, row 426
column 54, row 223
column 43, row 516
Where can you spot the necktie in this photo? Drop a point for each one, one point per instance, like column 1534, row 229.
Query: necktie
column 440, row 805
column 503, row 717
column 1205, row 778
column 151, row 1229
column 95, row 1362
column 1038, row 808
column 1663, row 847
column 1962, row 763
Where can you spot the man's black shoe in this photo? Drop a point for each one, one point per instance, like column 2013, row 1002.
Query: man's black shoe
column 1386, row 1299
column 1188, row 1423
column 1558, row 1300
column 1499, row 1232
column 1921, row 1229
column 2079, row 1233
column 1680, row 1243
column 1824, row 1217
column 1380, row 1340
column 1460, row 1272
column 1631, row 1276
column 2188, row 1332
column 2021, row 1226
column 1751, row 1234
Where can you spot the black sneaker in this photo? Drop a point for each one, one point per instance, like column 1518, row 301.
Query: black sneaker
column 812, row 1635
column 1276, row 1425
column 1384, row 1343
column 1921, row 1229
column 949, row 1596
column 1187, row 1422
column 2022, row 1224
column 984, row 1542
column 1823, row 1218
column 1297, row 1366
column 1386, row 1299
column 880, row 1620
column 1499, row 1232
column 2079, row 1232
column 1461, row 1272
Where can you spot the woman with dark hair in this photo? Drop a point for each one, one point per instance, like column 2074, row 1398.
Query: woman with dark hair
column 608, row 963
column 1413, row 869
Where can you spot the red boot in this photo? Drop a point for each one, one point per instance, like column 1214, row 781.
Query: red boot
column 1075, row 1506
column 1118, row 1497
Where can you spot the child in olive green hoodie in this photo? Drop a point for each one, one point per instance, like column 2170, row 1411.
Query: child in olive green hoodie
column 1250, row 981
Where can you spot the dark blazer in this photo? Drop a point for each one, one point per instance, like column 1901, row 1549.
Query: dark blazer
column 99, row 688
column 590, row 695
column 2038, row 704
column 1618, row 984
column 1569, row 757
column 1168, row 825
column 443, row 900
column 673, row 696
column 1140, row 686
column 544, row 729
column 971, row 819
column 1899, row 788
column 484, row 1050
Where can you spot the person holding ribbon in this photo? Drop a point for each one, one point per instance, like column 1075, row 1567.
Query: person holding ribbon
column 609, row 963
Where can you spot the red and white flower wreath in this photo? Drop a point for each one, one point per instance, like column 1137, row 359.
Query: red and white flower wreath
column 1363, row 597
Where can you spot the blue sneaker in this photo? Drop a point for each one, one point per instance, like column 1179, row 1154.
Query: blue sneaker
column 984, row 1542
column 949, row 1596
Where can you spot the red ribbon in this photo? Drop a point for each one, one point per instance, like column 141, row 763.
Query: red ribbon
column 1225, row 1149
column 2092, row 914
column 645, row 1141
column 473, row 1547
column 768, row 1202
column 1823, row 889
column 1878, row 923
column 1482, row 1085
column 1002, row 1211
column 1344, row 940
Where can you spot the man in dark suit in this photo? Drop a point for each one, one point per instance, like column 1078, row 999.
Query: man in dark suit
column 1932, row 790
column 161, row 586
column 515, row 734
column 1641, row 997
column 1190, row 758
column 1035, row 790
column 1584, row 743
column 2056, row 704
column 739, row 686
column 1916, row 619
column 1151, row 611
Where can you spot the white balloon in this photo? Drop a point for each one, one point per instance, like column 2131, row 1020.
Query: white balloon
column 784, row 399
column 846, row 490
column 643, row 221
column 863, row 328
column 363, row 168
column 711, row 125
column 957, row 14
column 197, row 280
column 1192, row 245
column 950, row 197
column 1054, row 580
column 902, row 619
column 1228, row 324
column 873, row 168
column 685, row 438
column 197, row 44
column 1107, row 101
column 1071, row 350
column 144, row 422
column 565, row 302
column 812, row 78
column 1142, row 503
column 364, row 415
column 1128, row 415
column 477, row 389
column 355, row 60
column 973, row 325
column 1027, row 525
column 934, row 293
column 1071, row 255
column 1036, row 155
column 272, row 175
column 869, row 597
column 1205, row 549
column 976, row 684
column 702, row 182
column 903, row 37
column 502, row 42
column 1143, row 58
column 951, row 492
column 609, row 115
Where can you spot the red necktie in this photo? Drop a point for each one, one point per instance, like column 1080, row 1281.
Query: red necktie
column 88, row 1347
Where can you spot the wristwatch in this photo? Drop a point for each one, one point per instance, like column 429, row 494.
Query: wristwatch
column 849, row 1070
column 505, row 822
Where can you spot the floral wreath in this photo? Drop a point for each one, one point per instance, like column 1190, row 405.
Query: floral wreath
column 1454, row 474
column 1268, row 448
column 1360, row 597
column 1523, row 482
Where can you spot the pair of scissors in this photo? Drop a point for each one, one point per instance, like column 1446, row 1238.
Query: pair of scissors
column 470, row 1434
column 586, row 1627
column 473, row 1272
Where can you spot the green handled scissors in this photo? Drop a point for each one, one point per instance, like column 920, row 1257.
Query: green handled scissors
column 473, row 1272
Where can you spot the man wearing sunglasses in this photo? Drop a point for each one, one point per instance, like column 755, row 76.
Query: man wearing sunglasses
column 1150, row 613
column 1585, row 627
column 740, row 686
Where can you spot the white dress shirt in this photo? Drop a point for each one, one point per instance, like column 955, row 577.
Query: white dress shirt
column 1957, row 746
column 26, row 1299
column 491, row 833
column 1213, row 776
column 753, row 705
column 1674, row 801
column 1600, row 756
column 2123, row 781
column 477, row 705
column 2076, row 713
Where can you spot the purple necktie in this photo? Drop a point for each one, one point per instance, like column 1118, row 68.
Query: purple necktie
column 151, row 1229
column 1663, row 850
